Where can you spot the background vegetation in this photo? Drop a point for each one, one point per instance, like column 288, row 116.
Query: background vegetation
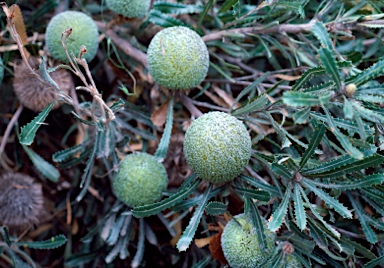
column 305, row 77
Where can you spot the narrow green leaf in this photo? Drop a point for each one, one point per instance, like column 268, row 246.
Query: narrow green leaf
column 318, row 134
column 165, row 139
column 48, row 170
column 263, row 186
column 364, row 182
column 282, row 171
column 189, row 232
column 369, row 74
column 368, row 114
column 28, row 132
column 302, row 116
column 367, row 229
column 293, row 5
column 204, row 13
column 371, row 161
column 375, row 262
column 348, row 109
column 216, row 208
column 54, row 242
column 307, row 76
column 204, row 262
column 177, row 8
column 136, row 261
column 152, row 209
column 257, row 222
column 370, row 98
column 329, row 200
column 158, row 18
column 322, row 35
column 254, row 194
column 76, row 260
column 228, row 4
column 328, row 60
column 258, row 103
column 63, row 155
column 301, row 218
column 300, row 99
column 277, row 217
column 317, row 215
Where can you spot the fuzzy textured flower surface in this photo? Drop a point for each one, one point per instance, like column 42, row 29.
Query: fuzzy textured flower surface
column 217, row 147
column 84, row 32
column 21, row 200
column 129, row 8
column 178, row 58
column 241, row 246
column 140, row 180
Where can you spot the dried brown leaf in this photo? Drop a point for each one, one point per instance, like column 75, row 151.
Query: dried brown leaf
column 160, row 115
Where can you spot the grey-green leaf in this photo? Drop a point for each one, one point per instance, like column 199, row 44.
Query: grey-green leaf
column 328, row 60
column 301, row 219
column 317, row 136
column 304, row 99
column 322, row 35
column 277, row 217
column 54, row 242
column 216, row 208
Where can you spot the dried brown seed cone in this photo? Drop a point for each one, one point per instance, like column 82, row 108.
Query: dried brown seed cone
column 34, row 94
column 21, row 200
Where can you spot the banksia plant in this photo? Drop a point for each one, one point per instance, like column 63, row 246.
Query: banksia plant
column 129, row 8
column 140, row 180
column 178, row 58
column 217, row 147
column 21, row 200
column 84, row 33
column 33, row 93
column 241, row 246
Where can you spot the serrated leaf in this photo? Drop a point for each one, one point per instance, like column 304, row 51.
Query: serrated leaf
column 54, row 242
column 158, row 18
column 317, row 215
column 295, row 6
column 370, row 98
column 254, row 194
column 140, row 246
column 258, row 103
column 277, row 217
column 189, row 232
column 367, row 229
column 258, row 184
column 301, row 116
column 322, row 35
column 364, row 182
column 368, row 114
column 317, row 136
column 301, row 219
column 300, row 99
column 375, row 262
column 348, row 109
column 46, row 169
column 257, row 222
column 228, row 4
column 328, row 60
column 371, row 161
column 369, row 74
column 282, row 171
column 76, row 260
column 215, row 208
column 28, row 132
column 63, row 155
column 177, row 8
column 329, row 200
column 166, row 137
column 152, row 209
column 306, row 76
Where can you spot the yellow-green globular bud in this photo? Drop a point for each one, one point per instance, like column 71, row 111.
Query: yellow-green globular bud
column 129, row 8
column 217, row 147
column 178, row 58
column 140, row 180
column 84, row 32
column 241, row 246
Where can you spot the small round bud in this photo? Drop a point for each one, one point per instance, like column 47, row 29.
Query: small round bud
column 350, row 90
column 241, row 246
column 21, row 200
column 140, row 180
column 129, row 8
column 34, row 94
column 217, row 147
column 84, row 32
column 178, row 58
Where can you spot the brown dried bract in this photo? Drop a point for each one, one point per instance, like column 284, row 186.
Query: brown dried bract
column 34, row 94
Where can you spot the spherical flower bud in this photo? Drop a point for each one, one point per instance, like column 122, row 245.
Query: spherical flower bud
column 21, row 200
column 140, row 180
column 84, row 32
column 129, row 8
column 241, row 246
column 178, row 58
column 217, row 147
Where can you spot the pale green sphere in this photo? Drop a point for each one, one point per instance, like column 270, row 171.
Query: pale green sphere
column 178, row 58
column 217, row 147
column 84, row 32
column 140, row 180
column 129, row 8
column 241, row 246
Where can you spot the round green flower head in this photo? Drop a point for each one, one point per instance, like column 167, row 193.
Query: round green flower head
column 129, row 8
column 217, row 147
column 84, row 32
column 241, row 246
column 178, row 58
column 140, row 180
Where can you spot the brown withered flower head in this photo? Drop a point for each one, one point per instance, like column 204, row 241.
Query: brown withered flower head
column 21, row 200
column 34, row 94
